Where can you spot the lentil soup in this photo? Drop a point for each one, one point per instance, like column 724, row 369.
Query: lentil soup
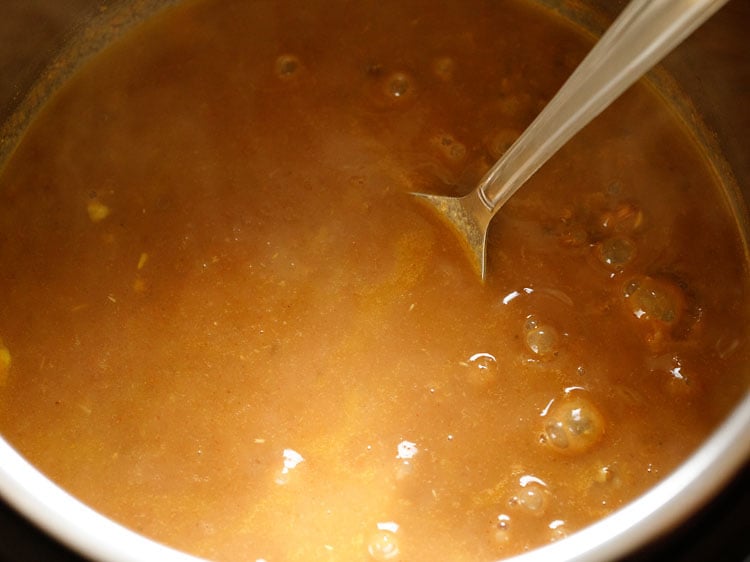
column 226, row 324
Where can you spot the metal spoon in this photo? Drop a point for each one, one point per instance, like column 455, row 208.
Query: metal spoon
column 641, row 36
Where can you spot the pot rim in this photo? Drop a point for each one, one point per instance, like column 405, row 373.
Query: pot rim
column 657, row 511
column 664, row 506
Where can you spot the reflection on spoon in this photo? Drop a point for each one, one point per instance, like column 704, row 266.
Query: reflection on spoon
column 645, row 32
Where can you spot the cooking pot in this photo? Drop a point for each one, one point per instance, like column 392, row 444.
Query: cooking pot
column 708, row 81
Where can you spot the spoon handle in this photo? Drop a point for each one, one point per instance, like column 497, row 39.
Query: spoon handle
column 645, row 32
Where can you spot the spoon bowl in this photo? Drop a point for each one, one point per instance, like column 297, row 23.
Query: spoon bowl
column 644, row 33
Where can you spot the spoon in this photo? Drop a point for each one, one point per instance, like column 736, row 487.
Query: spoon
column 645, row 32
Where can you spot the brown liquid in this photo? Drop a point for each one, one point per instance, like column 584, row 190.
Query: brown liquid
column 226, row 325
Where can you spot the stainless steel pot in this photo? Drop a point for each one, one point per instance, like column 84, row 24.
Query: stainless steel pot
column 712, row 68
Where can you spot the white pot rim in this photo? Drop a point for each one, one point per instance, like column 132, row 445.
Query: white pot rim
column 660, row 509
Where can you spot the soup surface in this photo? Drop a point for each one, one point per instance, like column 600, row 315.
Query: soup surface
column 226, row 324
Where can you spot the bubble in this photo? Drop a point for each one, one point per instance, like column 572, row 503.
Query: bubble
column 654, row 299
column 287, row 66
column 557, row 530
column 398, row 85
column 625, row 218
column 541, row 339
column 573, row 425
column 383, row 545
column 531, row 323
column 500, row 529
column 605, row 475
column 530, row 496
column 406, row 451
column 482, row 369
column 616, row 252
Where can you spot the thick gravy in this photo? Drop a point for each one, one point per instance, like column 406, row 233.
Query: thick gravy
column 226, row 324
